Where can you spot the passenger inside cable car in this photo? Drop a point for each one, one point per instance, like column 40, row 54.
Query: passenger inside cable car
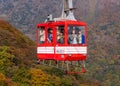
column 81, row 37
column 60, row 34
column 50, row 35
column 41, row 35
column 76, row 35
column 73, row 37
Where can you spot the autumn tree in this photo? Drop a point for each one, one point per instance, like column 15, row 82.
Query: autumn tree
column 39, row 78
column 2, row 79
column 5, row 58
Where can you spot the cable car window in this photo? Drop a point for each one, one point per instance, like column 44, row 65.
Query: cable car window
column 76, row 34
column 41, row 35
column 60, row 34
column 50, row 35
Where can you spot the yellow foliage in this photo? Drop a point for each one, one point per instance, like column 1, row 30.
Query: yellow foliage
column 39, row 78
column 84, row 85
column 2, row 79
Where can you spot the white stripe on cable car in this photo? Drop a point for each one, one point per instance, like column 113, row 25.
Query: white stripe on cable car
column 62, row 50
column 45, row 50
column 71, row 50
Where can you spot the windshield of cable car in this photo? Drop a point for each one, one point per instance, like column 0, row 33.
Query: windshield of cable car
column 76, row 35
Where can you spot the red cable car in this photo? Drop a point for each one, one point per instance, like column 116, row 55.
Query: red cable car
column 63, row 39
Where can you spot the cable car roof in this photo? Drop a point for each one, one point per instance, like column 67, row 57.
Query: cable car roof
column 66, row 22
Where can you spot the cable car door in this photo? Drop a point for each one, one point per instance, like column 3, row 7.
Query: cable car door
column 50, row 45
column 60, row 42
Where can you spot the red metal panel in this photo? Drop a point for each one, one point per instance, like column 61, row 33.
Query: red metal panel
column 62, row 57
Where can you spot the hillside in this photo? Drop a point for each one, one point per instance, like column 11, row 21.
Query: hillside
column 18, row 68
column 10, row 36
column 16, row 41
column 104, row 47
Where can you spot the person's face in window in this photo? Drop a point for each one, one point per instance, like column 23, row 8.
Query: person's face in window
column 79, row 32
column 50, row 31
column 73, row 32
column 58, row 32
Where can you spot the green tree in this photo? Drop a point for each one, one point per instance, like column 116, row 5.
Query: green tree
column 5, row 58
column 55, row 81
column 22, row 76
